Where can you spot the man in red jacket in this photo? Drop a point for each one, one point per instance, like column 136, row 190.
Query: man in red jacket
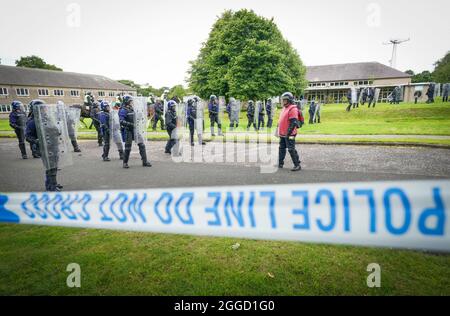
column 290, row 121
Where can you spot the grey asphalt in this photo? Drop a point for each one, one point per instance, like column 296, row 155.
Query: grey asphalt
column 320, row 164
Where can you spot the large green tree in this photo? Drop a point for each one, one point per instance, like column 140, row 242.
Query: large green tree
column 35, row 62
column 246, row 57
column 442, row 71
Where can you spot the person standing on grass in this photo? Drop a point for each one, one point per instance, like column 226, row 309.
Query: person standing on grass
column 445, row 91
column 290, row 120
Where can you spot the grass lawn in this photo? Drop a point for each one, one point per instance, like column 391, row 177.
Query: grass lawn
column 385, row 119
column 33, row 260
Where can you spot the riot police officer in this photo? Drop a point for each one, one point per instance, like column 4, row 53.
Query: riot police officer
column 261, row 115
column 269, row 111
column 18, row 121
column 159, row 114
column 108, row 132
column 50, row 133
column 214, row 109
column 171, row 125
column 94, row 111
column 30, row 133
column 312, row 111
column 251, row 115
column 194, row 119
column 128, row 122
column 430, row 93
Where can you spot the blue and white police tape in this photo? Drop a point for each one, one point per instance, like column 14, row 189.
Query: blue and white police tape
column 401, row 214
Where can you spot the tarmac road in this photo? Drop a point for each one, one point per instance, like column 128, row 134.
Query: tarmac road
column 321, row 163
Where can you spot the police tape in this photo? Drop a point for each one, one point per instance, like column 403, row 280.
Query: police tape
column 413, row 215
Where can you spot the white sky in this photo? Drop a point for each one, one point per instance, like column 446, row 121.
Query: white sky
column 152, row 41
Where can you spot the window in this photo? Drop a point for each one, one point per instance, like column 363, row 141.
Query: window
column 112, row 94
column 101, row 93
column 43, row 92
column 3, row 91
column 346, row 83
column 58, row 93
column 74, row 93
column 22, row 92
column 332, row 84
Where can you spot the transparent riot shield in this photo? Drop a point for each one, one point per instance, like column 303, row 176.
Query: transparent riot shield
column 51, row 127
column 73, row 121
column 115, row 131
column 437, row 90
column 165, row 102
column 200, row 114
column 222, row 109
column 401, row 94
column 354, row 95
column 235, row 111
column 140, row 120
column 181, row 132
column 361, row 93
column 377, row 95
column 256, row 114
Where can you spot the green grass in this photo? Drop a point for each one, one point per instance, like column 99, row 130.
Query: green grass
column 385, row 119
column 33, row 260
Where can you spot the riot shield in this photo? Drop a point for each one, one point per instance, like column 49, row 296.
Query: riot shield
column 181, row 130
column 115, row 130
column 51, row 127
column 140, row 120
column 235, row 110
column 437, row 90
column 377, row 95
column 256, row 115
column 199, row 121
column 222, row 109
column 73, row 119
column 165, row 110
column 401, row 94
column 354, row 95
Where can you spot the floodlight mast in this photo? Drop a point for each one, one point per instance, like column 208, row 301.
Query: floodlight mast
column 395, row 43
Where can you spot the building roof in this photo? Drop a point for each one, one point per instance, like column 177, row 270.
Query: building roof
column 20, row 76
column 354, row 71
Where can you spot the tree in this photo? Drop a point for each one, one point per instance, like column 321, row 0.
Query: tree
column 35, row 62
column 442, row 69
column 246, row 57
column 410, row 72
column 424, row 76
column 178, row 91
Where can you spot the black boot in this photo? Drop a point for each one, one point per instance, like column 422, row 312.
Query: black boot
column 106, row 153
column 126, row 157
column 121, row 154
column 143, row 153
column 76, row 148
column 23, row 151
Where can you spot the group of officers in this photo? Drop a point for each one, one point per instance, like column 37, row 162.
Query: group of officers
column 50, row 128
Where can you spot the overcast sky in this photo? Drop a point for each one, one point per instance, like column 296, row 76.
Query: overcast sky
column 152, row 41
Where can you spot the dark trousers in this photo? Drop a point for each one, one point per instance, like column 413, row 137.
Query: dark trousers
column 106, row 145
column 156, row 119
column 311, row 117
column 251, row 120
column 99, row 133
column 445, row 98
column 215, row 119
column 50, row 179
column 270, row 122
column 20, row 134
column 288, row 144
column 261, row 121
column 171, row 142
column 371, row 100
column 129, row 138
